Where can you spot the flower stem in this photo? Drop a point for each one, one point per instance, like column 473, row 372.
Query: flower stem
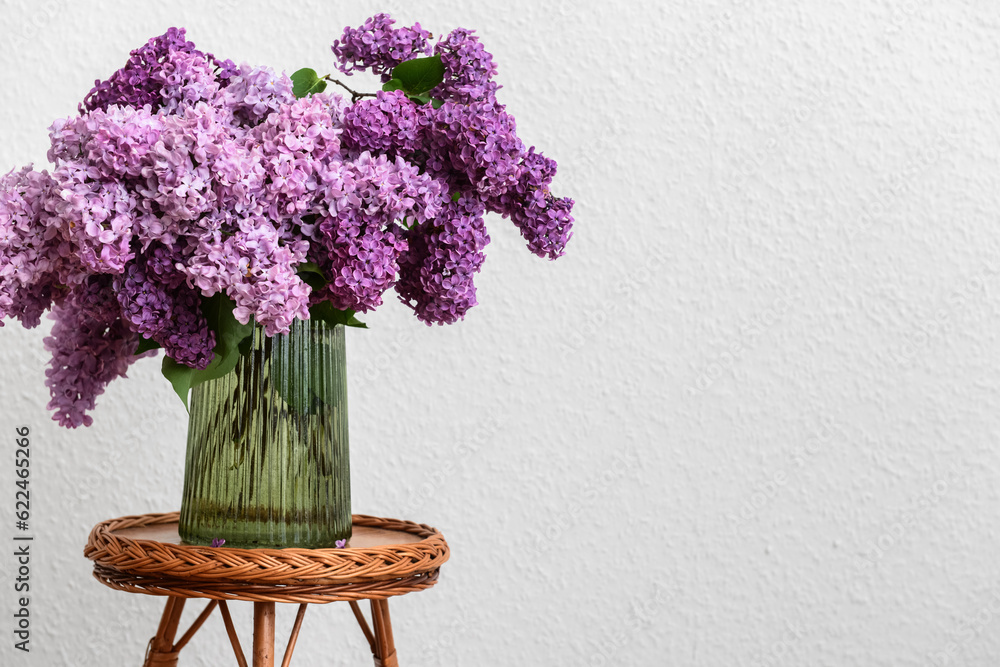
column 355, row 95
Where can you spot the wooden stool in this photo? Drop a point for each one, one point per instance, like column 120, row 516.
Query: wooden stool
column 385, row 558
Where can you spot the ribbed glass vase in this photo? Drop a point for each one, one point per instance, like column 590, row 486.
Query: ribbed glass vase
column 267, row 453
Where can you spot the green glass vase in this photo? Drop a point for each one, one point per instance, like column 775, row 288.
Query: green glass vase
column 267, row 453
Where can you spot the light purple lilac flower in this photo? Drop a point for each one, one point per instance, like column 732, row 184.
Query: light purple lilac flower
column 176, row 174
column 293, row 144
column 28, row 248
column 255, row 92
column 90, row 346
column 99, row 215
column 185, row 79
column 250, row 265
column 121, row 140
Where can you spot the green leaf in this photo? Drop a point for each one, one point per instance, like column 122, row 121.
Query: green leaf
column 306, row 82
column 245, row 345
column 221, row 365
column 325, row 312
column 419, row 75
column 436, row 103
column 145, row 345
column 229, row 337
column 180, row 376
column 455, row 196
column 184, row 378
column 416, row 98
column 312, row 275
column 218, row 311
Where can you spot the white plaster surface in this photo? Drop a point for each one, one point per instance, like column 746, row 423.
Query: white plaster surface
column 749, row 419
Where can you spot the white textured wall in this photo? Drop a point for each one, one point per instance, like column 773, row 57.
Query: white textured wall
column 750, row 418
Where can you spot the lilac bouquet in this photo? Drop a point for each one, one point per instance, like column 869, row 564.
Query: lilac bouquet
column 192, row 199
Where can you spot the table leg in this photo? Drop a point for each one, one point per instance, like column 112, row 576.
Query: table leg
column 290, row 646
column 263, row 634
column 385, row 647
column 160, row 652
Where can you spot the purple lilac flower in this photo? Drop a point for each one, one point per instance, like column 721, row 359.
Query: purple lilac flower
column 469, row 68
column 387, row 124
column 28, row 278
column 252, row 266
column 137, row 84
column 474, row 144
column 168, row 312
column 359, row 242
column 436, row 273
column 163, row 264
column 99, row 216
column 378, row 47
column 545, row 221
column 90, row 346
column 293, row 142
column 176, row 174
column 226, row 157
column 340, row 544
column 271, row 291
column 254, row 92
column 218, row 542
column 68, row 138
column 186, row 79
column 238, row 177
column 185, row 176
column 114, row 142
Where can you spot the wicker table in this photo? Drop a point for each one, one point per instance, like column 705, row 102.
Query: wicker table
column 385, row 557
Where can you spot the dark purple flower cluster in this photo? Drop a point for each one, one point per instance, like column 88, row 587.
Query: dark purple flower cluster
column 468, row 68
column 474, row 144
column 545, row 222
column 354, row 246
column 444, row 254
column 388, row 123
column 378, row 47
column 159, row 307
column 140, row 81
column 470, row 145
column 185, row 177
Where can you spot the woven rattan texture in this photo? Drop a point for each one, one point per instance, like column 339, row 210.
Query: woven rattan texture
column 346, row 574
column 316, row 594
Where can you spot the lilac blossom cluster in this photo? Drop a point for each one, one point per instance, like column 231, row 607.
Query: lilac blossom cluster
column 468, row 144
column 185, row 177
column 378, row 47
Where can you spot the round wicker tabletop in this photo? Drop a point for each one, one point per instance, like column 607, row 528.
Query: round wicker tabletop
column 384, row 558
